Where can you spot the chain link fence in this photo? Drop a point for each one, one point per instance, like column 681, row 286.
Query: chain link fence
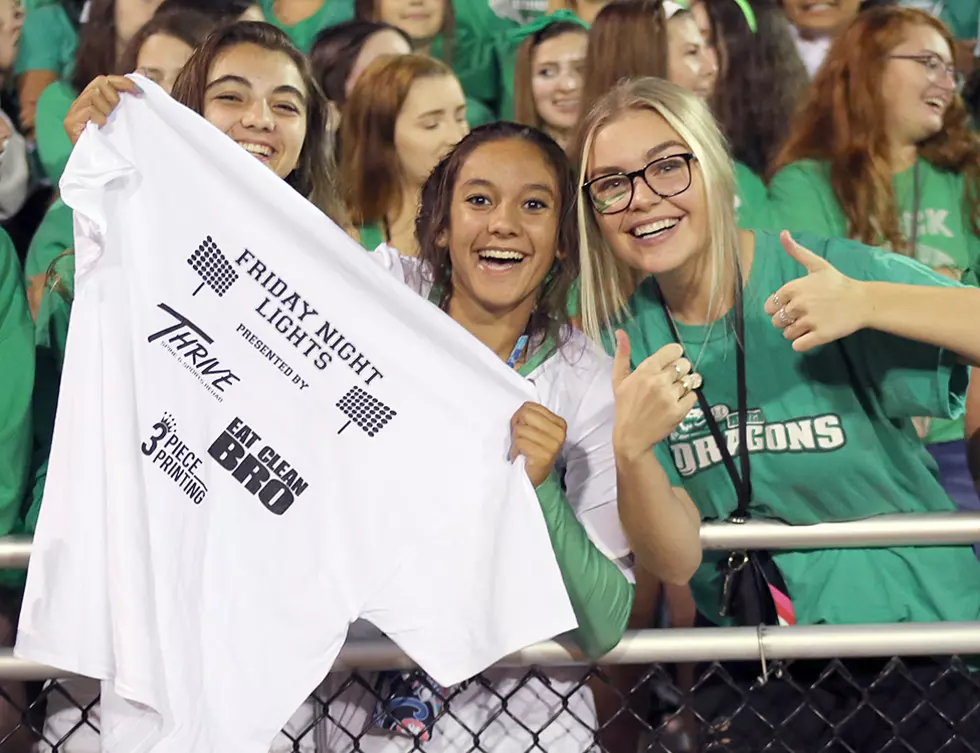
column 922, row 705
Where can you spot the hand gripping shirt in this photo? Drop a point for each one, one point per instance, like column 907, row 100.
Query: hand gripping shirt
column 260, row 436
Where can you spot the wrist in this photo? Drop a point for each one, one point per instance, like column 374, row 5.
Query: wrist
column 866, row 304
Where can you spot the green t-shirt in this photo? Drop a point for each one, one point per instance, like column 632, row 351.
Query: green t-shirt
column 53, row 237
column 48, row 41
column 831, row 439
column 751, row 200
column 803, row 201
column 16, row 387
column 53, row 145
column 961, row 16
column 331, row 13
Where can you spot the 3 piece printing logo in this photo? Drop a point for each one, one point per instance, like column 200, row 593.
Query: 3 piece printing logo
column 175, row 459
column 212, row 267
column 369, row 413
column 191, row 346
column 265, row 474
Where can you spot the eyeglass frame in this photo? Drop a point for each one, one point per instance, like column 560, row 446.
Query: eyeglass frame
column 925, row 58
column 688, row 158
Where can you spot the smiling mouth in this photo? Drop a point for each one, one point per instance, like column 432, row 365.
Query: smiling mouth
column 819, row 7
column 655, row 228
column 500, row 260
column 263, row 152
column 936, row 105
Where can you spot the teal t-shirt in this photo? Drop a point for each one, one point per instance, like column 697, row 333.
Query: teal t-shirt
column 54, row 236
column 831, row 439
column 48, row 41
column 802, row 200
column 961, row 16
column 302, row 34
column 751, row 200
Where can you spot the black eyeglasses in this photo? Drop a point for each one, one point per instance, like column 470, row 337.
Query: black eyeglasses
column 665, row 176
column 935, row 66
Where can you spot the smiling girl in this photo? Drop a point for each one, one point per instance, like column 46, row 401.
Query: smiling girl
column 882, row 152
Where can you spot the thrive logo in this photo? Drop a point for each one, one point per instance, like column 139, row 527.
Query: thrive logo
column 192, row 347
column 212, row 267
column 694, row 449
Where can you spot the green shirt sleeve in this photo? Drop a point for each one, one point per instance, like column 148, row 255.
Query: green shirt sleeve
column 53, row 237
column 599, row 592
column 53, row 145
column 802, row 201
column 909, row 378
column 16, row 386
column 473, row 53
column 751, row 200
column 48, row 42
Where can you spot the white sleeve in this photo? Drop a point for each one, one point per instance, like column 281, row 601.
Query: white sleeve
column 405, row 269
column 588, row 458
column 14, row 173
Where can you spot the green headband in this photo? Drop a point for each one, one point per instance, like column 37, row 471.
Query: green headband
column 743, row 5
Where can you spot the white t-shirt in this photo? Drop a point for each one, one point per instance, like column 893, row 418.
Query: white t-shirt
column 271, row 433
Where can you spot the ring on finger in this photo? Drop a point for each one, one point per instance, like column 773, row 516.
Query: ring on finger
column 775, row 299
column 785, row 318
column 678, row 371
column 691, row 381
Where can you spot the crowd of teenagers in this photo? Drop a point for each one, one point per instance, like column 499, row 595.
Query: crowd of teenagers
column 734, row 243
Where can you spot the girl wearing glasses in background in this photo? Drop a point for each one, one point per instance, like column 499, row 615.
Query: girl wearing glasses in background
column 882, row 152
column 808, row 358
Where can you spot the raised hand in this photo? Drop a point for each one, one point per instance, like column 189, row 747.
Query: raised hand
column 651, row 401
column 96, row 103
column 538, row 435
column 820, row 307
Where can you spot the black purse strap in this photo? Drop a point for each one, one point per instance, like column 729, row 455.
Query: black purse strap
column 743, row 482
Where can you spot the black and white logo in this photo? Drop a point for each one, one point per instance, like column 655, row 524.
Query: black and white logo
column 212, row 267
column 193, row 348
column 169, row 453
column 369, row 413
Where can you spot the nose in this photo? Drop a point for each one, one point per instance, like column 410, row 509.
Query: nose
column 503, row 220
column 258, row 115
column 644, row 197
column 569, row 81
column 455, row 132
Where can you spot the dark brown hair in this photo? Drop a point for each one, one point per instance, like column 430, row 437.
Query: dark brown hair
column 525, row 110
column 189, row 26
column 368, row 160
column 761, row 82
column 842, row 122
column 432, row 225
column 335, row 52
column 627, row 40
column 314, row 174
column 96, row 55
column 367, row 10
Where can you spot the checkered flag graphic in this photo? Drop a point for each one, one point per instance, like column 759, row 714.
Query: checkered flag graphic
column 367, row 412
column 212, row 267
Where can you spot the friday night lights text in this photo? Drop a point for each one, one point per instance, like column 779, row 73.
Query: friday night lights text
column 288, row 312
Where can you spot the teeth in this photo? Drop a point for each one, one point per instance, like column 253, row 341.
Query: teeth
column 498, row 254
column 260, row 149
column 654, row 227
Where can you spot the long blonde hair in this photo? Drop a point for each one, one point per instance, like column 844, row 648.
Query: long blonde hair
column 607, row 281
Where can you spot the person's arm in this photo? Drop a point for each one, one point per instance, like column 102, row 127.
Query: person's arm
column 30, row 84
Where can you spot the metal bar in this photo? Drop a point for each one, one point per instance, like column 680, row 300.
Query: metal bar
column 913, row 529
column 670, row 646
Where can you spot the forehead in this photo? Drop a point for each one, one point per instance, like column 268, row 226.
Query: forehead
column 683, row 27
column 924, row 38
column 433, row 93
column 568, row 44
column 625, row 142
column 264, row 69
column 508, row 164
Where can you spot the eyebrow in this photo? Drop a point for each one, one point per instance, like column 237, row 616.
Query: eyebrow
column 650, row 156
column 241, row 80
column 484, row 183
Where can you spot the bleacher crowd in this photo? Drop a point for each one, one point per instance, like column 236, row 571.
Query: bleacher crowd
column 600, row 193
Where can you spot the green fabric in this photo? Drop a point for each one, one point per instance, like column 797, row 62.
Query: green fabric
column 832, row 439
column 53, row 237
column 50, row 337
column 474, row 53
column 16, row 386
column 302, row 34
column 507, row 45
column 961, row 16
column 600, row 595
column 803, row 201
column 53, row 145
column 48, row 41
column 371, row 235
column 477, row 113
column 751, row 200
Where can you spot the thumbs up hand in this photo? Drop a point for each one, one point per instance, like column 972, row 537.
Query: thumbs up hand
column 820, row 307
column 651, row 401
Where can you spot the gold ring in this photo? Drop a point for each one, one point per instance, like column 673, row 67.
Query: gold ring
column 691, row 381
column 785, row 318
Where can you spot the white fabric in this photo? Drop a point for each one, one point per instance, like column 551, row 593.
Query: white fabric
column 811, row 51
column 211, row 604
column 14, row 172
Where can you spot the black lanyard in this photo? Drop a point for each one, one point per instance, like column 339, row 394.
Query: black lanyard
column 743, row 483
column 916, row 198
